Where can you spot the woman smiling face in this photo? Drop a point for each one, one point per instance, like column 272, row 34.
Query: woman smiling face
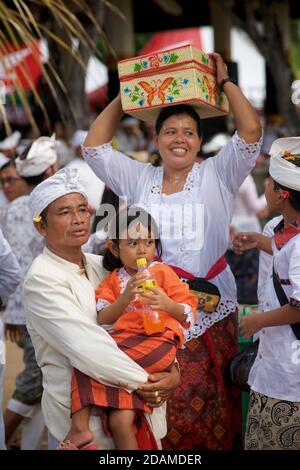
column 178, row 142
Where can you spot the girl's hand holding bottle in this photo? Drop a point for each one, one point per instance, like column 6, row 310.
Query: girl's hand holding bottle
column 159, row 300
column 131, row 289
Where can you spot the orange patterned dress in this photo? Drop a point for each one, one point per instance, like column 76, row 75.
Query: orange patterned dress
column 155, row 353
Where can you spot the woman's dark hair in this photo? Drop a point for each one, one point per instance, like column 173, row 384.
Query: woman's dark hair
column 120, row 225
column 175, row 111
column 294, row 198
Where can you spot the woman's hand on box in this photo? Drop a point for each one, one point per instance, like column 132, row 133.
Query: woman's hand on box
column 221, row 67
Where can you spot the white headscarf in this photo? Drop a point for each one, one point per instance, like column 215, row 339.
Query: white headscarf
column 216, row 143
column 282, row 169
column 3, row 160
column 11, row 141
column 41, row 155
column 60, row 184
column 78, row 138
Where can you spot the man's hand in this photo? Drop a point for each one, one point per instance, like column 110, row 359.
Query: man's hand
column 12, row 332
column 250, row 324
column 159, row 387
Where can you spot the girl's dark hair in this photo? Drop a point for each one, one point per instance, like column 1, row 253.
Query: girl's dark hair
column 119, row 227
column 175, row 111
column 294, row 198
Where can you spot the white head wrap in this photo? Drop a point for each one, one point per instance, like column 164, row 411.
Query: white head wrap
column 282, row 169
column 129, row 122
column 63, row 182
column 41, row 155
column 3, row 160
column 216, row 143
column 78, row 138
column 11, row 141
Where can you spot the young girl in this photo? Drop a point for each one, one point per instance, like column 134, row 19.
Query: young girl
column 273, row 420
column 119, row 309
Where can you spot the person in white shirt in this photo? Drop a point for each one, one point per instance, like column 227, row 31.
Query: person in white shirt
column 59, row 300
column 12, row 187
column 265, row 267
column 248, row 208
column 3, row 200
column 274, row 406
column 33, row 166
column 192, row 204
column 93, row 186
column 9, row 279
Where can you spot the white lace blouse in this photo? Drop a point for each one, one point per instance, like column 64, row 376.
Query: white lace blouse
column 194, row 223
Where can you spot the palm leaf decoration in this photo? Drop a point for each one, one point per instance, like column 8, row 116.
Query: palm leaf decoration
column 71, row 27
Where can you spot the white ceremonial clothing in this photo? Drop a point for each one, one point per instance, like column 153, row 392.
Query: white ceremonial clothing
column 282, row 168
column 63, row 182
column 266, row 262
column 61, row 310
column 4, row 203
column 93, row 186
column 3, row 199
column 41, row 155
column 26, row 243
column 9, row 278
column 276, row 370
column 2, row 432
column 246, row 205
column 33, row 424
column 189, row 240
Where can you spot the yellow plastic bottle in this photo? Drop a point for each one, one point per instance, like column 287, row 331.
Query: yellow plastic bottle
column 153, row 322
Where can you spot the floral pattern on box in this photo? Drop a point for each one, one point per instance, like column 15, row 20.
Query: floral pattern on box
column 146, row 91
column 180, row 55
column 155, row 60
column 181, row 75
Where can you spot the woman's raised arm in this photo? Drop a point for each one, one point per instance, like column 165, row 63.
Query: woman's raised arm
column 246, row 119
column 103, row 128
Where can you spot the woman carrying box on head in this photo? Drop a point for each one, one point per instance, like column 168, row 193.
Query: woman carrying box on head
column 192, row 205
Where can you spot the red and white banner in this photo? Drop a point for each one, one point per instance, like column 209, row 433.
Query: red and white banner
column 20, row 66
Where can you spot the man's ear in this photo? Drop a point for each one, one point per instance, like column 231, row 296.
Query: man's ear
column 40, row 227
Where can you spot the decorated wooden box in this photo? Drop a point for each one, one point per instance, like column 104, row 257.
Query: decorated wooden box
column 179, row 75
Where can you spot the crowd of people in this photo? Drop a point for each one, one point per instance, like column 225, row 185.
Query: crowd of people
column 79, row 307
